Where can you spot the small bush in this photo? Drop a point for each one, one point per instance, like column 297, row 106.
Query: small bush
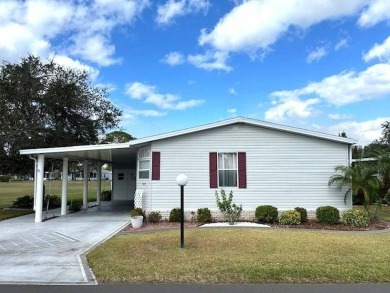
column 291, row 217
column 204, row 215
column 175, row 215
column 105, row 195
column 5, row 178
column 154, row 217
column 356, row 218
column 137, row 212
column 328, row 215
column 75, row 206
column 303, row 213
column 230, row 211
column 54, row 201
column 24, row 202
column 266, row 214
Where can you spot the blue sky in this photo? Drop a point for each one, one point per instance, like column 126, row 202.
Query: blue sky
column 316, row 64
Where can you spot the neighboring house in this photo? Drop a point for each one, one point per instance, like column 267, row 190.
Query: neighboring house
column 262, row 163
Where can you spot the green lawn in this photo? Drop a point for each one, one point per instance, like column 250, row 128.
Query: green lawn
column 243, row 256
column 9, row 191
column 8, row 214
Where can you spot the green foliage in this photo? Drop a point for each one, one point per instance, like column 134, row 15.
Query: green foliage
column 117, row 137
column 175, row 215
column 105, row 195
column 356, row 218
column 266, row 214
column 204, row 215
column 328, row 215
column 230, row 211
column 5, row 178
column 24, row 202
column 44, row 104
column 137, row 212
column 54, row 201
column 75, row 206
column 303, row 213
column 291, row 217
column 154, row 217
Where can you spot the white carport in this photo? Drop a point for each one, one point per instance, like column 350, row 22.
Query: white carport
column 104, row 153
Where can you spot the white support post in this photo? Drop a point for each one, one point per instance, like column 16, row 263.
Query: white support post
column 98, row 182
column 85, row 187
column 39, row 182
column 64, row 200
column 35, row 182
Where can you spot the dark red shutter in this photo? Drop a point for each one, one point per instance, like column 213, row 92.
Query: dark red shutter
column 155, row 165
column 213, row 170
column 241, row 170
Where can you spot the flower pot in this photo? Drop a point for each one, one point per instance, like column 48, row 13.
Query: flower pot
column 137, row 221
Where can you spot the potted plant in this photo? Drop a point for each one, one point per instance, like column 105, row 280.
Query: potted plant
column 136, row 218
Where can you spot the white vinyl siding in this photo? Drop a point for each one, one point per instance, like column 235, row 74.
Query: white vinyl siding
column 284, row 169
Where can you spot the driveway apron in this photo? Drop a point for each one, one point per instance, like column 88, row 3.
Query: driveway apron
column 52, row 252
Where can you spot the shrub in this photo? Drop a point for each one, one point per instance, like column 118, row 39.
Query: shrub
column 24, row 202
column 54, row 201
column 291, row 217
column 105, row 195
column 266, row 214
column 137, row 212
column 154, row 217
column 356, row 218
column 175, row 215
column 204, row 215
column 328, row 215
column 5, row 178
column 75, row 206
column 230, row 211
column 303, row 213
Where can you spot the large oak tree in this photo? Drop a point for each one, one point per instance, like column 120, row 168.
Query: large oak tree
column 43, row 104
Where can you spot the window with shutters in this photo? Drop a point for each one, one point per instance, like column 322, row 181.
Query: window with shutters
column 144, row 164
column 227, row 169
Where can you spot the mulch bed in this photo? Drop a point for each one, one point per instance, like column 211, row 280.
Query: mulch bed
column 311, row 224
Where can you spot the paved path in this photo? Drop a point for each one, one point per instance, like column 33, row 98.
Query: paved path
column 49, row 252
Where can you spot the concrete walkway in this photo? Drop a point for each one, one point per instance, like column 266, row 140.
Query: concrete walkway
column 51, row 252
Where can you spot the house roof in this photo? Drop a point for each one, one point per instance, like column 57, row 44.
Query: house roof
column 117, row 151
column 247, row 121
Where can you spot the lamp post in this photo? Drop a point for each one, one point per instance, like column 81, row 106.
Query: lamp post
column 182, row 181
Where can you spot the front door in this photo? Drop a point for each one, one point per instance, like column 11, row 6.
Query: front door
column 125, row 184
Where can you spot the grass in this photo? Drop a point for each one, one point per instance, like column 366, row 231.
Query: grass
column 9, row 191
column 8, row 214
column 243, row 256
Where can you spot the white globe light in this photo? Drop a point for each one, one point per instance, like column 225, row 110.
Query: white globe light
column 181, row 180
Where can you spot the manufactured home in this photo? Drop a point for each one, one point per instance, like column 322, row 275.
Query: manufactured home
column 262, row 163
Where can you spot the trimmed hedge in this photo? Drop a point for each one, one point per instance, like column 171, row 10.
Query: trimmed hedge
column 290, row 217
column 203, row 215
column 303, row 213
column 356, row 218
column 266, row 214
column 154, row 217
column 328, row 215
column 175, row 215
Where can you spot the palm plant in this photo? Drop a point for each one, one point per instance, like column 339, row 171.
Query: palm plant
column 358, row 178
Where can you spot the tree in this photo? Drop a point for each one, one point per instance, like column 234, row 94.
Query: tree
column 47, row 105
column 117, row 137
column 359, row 178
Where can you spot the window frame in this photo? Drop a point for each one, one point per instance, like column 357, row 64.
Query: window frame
column 143, row 158
column 227, row 169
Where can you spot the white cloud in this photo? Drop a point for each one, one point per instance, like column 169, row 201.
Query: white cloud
column 377, row 11
column 341, row 44
column 232, row 111
column 316, row 55
column 55, row 27
column 65, row 61
column 256, row 25
column 340, row 89
column 173, row 58
column 175, row 8
column 337, row 116
column 232, row 91
column 379, row 51
column 210, row 61
column 148, row 94
column 291, row 107
column 364, row 132
column 144, row 113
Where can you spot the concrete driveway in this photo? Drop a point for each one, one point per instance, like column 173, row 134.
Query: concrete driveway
column 52, row 252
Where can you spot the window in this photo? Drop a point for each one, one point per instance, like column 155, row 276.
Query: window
column 143, row 164
column 227, row 169
column 121, row 176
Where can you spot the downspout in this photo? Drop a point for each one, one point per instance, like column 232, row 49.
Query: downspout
column 35, row 178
